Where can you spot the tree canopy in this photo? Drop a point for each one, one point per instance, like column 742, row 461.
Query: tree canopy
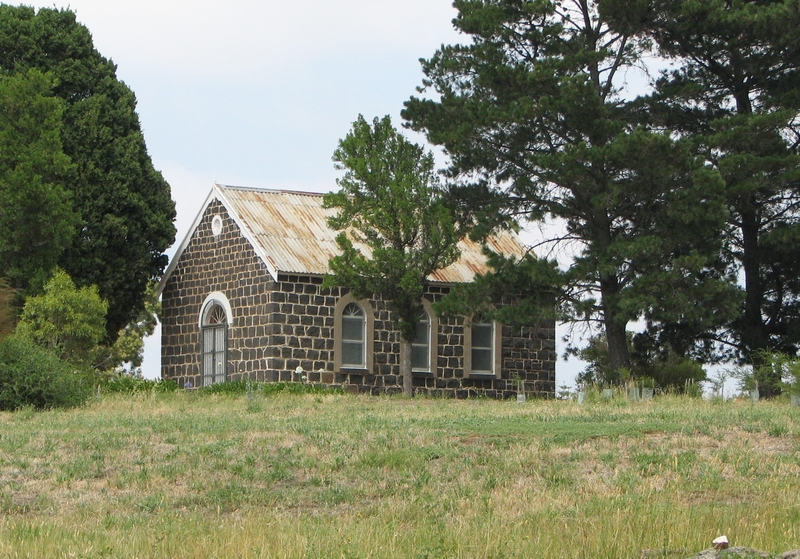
column 536, row 128
column 734, row 93
column 37, row 220
column 122, row 205
column 66, row 320
column 390, row 201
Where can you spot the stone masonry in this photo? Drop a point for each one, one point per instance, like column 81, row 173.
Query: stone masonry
column 281, row 327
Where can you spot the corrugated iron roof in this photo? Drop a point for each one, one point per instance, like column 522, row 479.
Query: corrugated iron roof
column 291, row 231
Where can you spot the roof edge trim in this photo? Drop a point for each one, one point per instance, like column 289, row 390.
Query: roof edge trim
column 185, row 243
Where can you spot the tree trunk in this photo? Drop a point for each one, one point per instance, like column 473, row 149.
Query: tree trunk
column 616, row 336
column 618, row 352
column 405, row 367
column 754, row 330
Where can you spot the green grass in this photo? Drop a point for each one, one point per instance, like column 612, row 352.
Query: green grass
column 330, row 475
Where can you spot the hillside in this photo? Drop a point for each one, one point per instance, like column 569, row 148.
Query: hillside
column 191, row 475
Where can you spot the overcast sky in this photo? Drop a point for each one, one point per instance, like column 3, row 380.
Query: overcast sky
column 259, row 92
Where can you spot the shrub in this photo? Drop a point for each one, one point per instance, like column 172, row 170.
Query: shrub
column 678, row 373
column 34, row 376
column 65, row 319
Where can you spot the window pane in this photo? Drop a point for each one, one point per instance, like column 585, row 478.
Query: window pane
column 419, row 357
column 352, row 310
column 353, row 354
column 481, row 360
column 422, row 333
column 208, row 368
column 352, row 329
column 482, row 335
column 219, row 366
column 208, row 340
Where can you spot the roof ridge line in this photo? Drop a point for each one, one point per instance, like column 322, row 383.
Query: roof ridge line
column 274, row 190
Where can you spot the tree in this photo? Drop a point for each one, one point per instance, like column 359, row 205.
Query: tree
column 66, row 320
column 389, row 202
column 124, row 205
column 537, row 129
column 7, row 315
column 734, row 93
column 128, row 349
column 37, row 221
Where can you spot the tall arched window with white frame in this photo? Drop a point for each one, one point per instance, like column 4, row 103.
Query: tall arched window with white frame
column 215, row 343
column 421, row 346
column 354, row 337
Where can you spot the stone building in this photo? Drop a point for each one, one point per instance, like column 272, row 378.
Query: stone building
column 242, row 299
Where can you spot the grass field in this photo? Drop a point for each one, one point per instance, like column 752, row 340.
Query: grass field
column 187, row 475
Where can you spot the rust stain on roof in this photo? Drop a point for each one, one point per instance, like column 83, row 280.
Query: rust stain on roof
column 292, row 231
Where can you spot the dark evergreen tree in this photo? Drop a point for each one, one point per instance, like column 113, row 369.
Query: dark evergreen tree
column 735, row 93
column 536, row 128
column 37, row 222
column 124, row 205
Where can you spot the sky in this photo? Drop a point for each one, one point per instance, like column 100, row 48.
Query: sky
column 259, row 92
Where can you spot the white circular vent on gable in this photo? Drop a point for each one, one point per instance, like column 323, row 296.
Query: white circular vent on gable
column 216, row 225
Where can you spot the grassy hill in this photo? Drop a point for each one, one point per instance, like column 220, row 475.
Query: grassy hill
column 191, row 475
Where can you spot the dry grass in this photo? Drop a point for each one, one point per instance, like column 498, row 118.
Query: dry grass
column 177, row 475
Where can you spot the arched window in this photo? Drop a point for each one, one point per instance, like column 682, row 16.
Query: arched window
column 353, row 337
column 214, row 330
column 421, row 346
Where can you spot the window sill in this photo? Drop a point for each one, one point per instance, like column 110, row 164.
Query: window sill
column 354, row 370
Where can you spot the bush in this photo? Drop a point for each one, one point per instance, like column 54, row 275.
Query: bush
column 34, row 376
column 65, row 319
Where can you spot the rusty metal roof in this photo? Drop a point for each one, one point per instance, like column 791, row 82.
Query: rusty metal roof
column 290, row 232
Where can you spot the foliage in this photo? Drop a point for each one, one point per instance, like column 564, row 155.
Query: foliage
column 66, row 320
column 31, row 375
column 677, row 373
column 7, row 311
column 124, row 206
column 537, row 129
column 666, row 369
column 530, row 288
column 733, row 92
column 389, row 201
column 598, row 365
column 765, row 369
column 37, row 221
column 128, row 349
column 125, row 383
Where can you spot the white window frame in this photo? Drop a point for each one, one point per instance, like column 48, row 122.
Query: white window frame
column 433, row 336
column 496, row 347
column 369, row 336
column 215, row 318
